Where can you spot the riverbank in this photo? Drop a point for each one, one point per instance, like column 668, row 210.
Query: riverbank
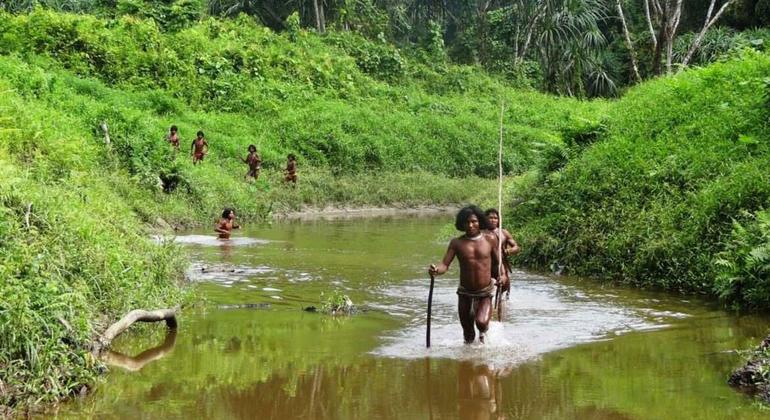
column 670, row 191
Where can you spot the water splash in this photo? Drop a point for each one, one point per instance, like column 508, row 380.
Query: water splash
column 541, row 316
column 206, row 240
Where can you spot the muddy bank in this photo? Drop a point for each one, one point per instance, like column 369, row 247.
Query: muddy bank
column 161, row 225
column 334, row 213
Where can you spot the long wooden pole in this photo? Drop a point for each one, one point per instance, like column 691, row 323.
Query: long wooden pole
column 430, row 303
column 500, row 266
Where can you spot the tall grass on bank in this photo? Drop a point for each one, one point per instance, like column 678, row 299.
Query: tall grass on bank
column 72, row 256
column 679, row 176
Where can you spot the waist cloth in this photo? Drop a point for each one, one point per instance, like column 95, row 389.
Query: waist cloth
column 478, row 294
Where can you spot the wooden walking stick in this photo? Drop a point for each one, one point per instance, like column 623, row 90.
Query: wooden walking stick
column 430, row 303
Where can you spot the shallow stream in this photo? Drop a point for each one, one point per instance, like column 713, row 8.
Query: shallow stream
column 567, row 349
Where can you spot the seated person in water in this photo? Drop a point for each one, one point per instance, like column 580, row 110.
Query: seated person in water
column 173, row 138
column 226, row 224
column 477, row 253
column 255, row 163
column 291, row 169
column 510, row 247
column 199, row 148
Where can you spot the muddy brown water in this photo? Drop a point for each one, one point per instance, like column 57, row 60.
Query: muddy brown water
column 567, row 349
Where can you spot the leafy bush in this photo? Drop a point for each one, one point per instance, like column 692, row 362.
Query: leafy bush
column 652, row 201
column 743, row 267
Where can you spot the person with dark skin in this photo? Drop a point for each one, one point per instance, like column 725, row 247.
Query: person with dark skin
column 291, row 169
column 173, row 138
column 199, row 148
column 510, row 247
column 226, row 224
column 255, row 163
column 477, row 253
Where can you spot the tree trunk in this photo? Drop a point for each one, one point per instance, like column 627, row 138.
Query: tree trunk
column 649, row 24
column 137, row 315
column 317, row 16
column 671, row 34
column 706, row 25
column 629, row 44
column 530, row 29
column 322, row 16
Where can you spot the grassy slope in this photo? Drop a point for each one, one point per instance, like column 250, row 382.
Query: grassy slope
column 410, row 134
column 679, row 166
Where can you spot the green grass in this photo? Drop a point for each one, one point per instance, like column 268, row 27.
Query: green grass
column 679, row 165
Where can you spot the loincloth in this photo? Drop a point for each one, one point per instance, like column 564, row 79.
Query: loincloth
column 477, row 294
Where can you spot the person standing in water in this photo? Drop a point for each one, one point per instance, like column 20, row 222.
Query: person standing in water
column 255, row 163
column 477, row 252
column 226, row 224
column 199, row 148
column 510, row 247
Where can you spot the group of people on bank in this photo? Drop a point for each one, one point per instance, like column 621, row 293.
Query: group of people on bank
column 200, row 148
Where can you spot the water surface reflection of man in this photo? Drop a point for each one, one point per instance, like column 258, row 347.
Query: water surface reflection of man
column 477, row 390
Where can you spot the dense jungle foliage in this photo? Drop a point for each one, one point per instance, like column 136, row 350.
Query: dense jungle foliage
column 385, row 103
column 583, row 48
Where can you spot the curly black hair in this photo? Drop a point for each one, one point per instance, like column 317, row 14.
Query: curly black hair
column 462, row 218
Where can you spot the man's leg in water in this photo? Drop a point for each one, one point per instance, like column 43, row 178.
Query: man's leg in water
column 464, row 304
column 483, row 315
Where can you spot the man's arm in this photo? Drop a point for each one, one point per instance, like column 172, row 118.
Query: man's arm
column 495, row 261
column 511, row 247
column 443, row 266
column 192, row 148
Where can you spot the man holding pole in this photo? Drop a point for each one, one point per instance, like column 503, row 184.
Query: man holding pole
column 477, row 252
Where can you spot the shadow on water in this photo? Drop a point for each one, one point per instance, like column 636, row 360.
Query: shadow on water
column 567, row 348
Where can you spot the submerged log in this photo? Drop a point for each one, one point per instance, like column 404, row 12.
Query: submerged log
column 751, row 378
column 137, row 315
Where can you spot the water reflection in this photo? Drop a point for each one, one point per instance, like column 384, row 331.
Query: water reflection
column 478, row 391
column 136, row 363
column 570, row 348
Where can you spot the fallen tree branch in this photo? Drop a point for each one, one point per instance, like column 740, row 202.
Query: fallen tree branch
column 137, row 315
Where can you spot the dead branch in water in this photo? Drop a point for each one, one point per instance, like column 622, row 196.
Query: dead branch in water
column 137, row 315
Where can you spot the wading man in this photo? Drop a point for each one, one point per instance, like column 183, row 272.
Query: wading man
column 199, row 148
column 226, row 224
column 510, row 247
column 477, row 253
